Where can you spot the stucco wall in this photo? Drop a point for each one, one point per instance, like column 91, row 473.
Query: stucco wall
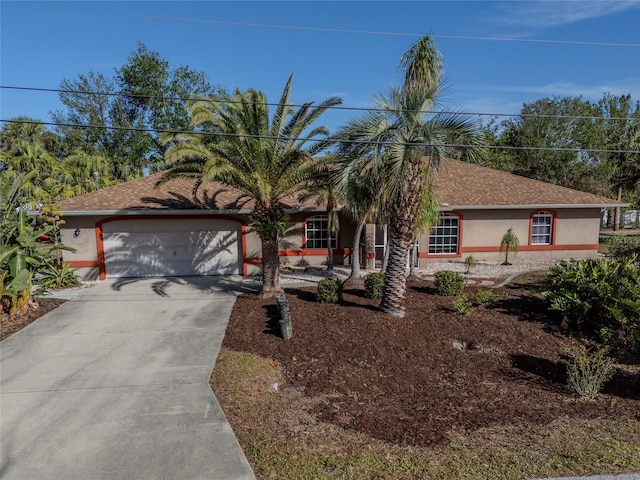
column 575, row 234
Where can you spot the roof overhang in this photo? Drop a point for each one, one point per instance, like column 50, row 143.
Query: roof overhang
column 447, row 208
column 174, row 213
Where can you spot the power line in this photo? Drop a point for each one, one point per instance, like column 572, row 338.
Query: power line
column 313, row 139
column 322, row 29
column 297, row 105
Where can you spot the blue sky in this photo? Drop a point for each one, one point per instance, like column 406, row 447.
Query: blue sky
column 348, row 49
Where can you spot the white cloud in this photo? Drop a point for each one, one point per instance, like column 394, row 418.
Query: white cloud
column 551, row 14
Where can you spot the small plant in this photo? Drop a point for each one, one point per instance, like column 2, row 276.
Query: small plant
column 448, row 283
column 374, row 285
column 463, row 305
column 487, row 298
column 329, row 291
column 470, row 263
column 57, row 276
column 588, row 371
column 508, row 243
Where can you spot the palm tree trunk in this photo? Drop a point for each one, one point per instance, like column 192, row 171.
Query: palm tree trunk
column 330, row 233
column 403, row 216
column 270, row 268
column 412, row 264
column 616, row 218
column 395, row 280
column 355, row 278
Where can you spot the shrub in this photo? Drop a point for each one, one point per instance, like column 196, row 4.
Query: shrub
column 448, row 283
column 487, row 298
column 587, row 371
column 623, row 247
column 374, row 285
column 598, row 298
column 329, row 291
column 463, row 305
column 57, row 276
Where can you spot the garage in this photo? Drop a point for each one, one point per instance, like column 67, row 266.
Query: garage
column 160, row 247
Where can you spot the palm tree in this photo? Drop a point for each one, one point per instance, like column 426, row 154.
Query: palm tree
column 402, row 139
column 511, row 242
column 267, row 158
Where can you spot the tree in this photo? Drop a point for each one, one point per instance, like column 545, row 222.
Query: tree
column 511, row 242
column 121, row 117
column 156, row 95
column 266, row 157
column 402, row 139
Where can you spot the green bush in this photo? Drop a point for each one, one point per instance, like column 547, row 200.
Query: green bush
column 463, row 305
column 624, row 247
column 587, row 371
column 598, row 298
column 374, row 285
column 329, row 291
column 57, row 276
column 487, row 298
column 448, row 283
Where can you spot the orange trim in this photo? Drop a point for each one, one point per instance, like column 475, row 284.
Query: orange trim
column 554, row 217
column 82, row 263
column 102, row 266
column 253, row 261
column 438, row 255
column 100, row 242
column 369, row 256
column 309, row 253
column 533, row 248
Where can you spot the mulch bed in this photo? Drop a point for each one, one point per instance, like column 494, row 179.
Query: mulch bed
column 11, row 324
column 415, row 380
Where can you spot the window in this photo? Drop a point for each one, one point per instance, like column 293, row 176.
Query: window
column 443, row 238
column 317, row 233
column 541, row 228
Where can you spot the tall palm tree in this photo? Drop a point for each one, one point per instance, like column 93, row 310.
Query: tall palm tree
column 267, row 158
column 409, row 144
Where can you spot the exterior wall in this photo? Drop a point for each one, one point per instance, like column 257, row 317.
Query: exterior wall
column 575, row 235
column 84, row 234
column 294, row 251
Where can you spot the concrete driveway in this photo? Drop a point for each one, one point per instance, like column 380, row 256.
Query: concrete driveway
column 114, row 385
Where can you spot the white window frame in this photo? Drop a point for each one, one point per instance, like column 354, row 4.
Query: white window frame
column 317, row 234
column 541, row 228
column 440, row 236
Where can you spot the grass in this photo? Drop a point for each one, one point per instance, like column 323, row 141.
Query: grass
column 250, row 391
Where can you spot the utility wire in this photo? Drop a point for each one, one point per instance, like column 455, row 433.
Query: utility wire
column 297, row 105
column 322, row 29
column 324, row 139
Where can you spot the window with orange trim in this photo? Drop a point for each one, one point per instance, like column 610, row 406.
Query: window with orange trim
column 317, row 233
column 541, row 228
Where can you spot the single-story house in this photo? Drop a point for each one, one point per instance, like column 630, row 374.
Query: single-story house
column 135, row 229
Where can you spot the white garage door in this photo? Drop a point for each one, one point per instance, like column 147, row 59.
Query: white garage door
column 171, row 247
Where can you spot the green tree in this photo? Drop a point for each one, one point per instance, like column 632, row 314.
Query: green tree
column 156, row 95
column 266, row 157
column 402, row 139
column 509, row 242
column 121, row 117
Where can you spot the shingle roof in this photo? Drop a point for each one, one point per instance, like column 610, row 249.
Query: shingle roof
column 461, row 184
column 458, row 184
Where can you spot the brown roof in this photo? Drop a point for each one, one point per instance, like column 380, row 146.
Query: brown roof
column 469, row 185
column 458, row 184
column 142, row 194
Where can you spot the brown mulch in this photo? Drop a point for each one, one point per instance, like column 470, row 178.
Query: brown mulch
column 11, row 324
column 415, row 380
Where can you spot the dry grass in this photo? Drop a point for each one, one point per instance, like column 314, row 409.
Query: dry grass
column 282, row 440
